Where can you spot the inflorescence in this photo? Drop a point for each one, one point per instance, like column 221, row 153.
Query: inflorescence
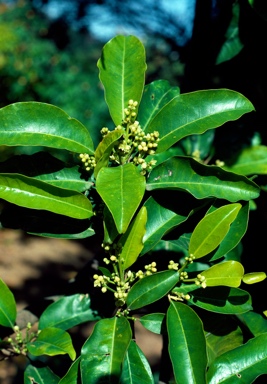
column 134, row 145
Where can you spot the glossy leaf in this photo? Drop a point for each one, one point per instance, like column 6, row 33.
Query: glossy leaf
column 234, row 235
column 67, row 312
column 52, row 342
column 104, row 351
column 41, row 124
column 221, row 300
column 160, row 221
column 132, row 240
column 186, row 344
column 254, row 277
column 199, row 146
column 35, row 194
column 153, row 322
column 36, row 375
column 232, row 45
column 110, row 230
column 122, row 72
column 212, row 229
column 228, row 273
column 67, row 178
column 155, row 96
column 151, row 288
column 71, row 376
column 251, row 161
column 122, row 189
column 136, row 369
column 255, row 322
column 222, row 334
column 240, row 365
column 195, row 113
column 71, row 236
column 8, row 310
column 201, row 180
column 104, row 149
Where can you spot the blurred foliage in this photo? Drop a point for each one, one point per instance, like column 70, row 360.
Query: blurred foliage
column 32, row 67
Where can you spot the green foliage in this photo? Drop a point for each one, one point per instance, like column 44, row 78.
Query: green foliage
column 169, row 221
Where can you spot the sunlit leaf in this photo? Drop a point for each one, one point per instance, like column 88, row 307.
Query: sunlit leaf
column 39, row 124
column 122, row 189
column 228, row 273
column 186, row 344
column 8, row 310
column 103, row 352
column 122, row 72
column 35, row 375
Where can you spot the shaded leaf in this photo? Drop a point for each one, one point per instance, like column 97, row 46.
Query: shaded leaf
column 104, row 351
column 195, row 113
column 122, row 189
column 52, row 342
column 35, row 194
column 251, row 161
column 132, row 240
column 160, row 221
column 186, row 344
column 136, row 369
column 71, row 376
column 153, row 322
column 221, row 299
column 155, row 96
column 40, row 124
column 34, row 375
column 242, row 364
column 122, row 72
column 67, row 312
column 8, row 310
column 104, row 149
column 151, row 288
column 255, row 322
column 201, row 180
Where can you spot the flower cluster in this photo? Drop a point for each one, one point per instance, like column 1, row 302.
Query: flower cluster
column 201, row 280
column 20, row 340
column 179, row 296
column 88, row 161
column 173, row 265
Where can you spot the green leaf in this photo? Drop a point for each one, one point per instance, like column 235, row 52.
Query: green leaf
column 254, row 277
column 184, row 173
column 67, row 312
column 34, row 375
column 186, row 344
column 242, row 364
column 222, row 334
column 255, row 322
column 103, row 352
column 250, row 161
column 228, row 273
column 40, row 124
column 155, row 96
column 151, row 288
column 160, row 221
column 153, row 322
column 195, row 113
column 104, row 149
column 198, row 146
column 232, row 45
column 212, row 229
column 110, row 230
column 73, row 236
column 67, row 178
column 122, row 189
column 136, row 369
column 35, row 194
column 132, row 240
column 221, row 299
column 234, row 235
column 122, row 72
column 52, row 342
column 8, row 310
column 71, row 376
